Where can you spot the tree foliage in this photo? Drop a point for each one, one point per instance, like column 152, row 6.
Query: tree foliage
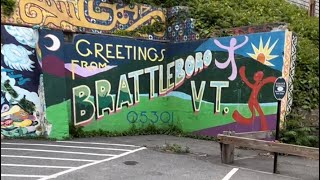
column 8, row 6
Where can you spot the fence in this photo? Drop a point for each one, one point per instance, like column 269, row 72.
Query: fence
column 311, row 5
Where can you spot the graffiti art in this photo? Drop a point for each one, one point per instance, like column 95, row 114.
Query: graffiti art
column 205, row 86
column 91, row 16
column 22, row 108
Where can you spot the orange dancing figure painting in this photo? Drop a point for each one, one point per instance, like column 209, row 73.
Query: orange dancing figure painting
column 253, row 103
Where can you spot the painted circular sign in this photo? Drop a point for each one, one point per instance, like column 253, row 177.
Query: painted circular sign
column 280, row 88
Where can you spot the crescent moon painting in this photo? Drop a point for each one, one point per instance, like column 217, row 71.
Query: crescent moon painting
column 56, row 42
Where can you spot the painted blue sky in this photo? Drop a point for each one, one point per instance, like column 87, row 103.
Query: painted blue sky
column 247, row 48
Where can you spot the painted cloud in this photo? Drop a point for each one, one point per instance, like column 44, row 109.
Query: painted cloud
column 31, row 96
column 25, row 36
column 17, row 57
column 2, row 100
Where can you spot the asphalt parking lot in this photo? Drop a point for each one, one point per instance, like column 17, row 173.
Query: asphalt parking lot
column 127, row 158
column 46, row 160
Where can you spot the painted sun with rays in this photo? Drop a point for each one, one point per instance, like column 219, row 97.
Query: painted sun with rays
column 263, row 54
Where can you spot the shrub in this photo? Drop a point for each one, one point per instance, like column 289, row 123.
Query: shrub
column 8, row 6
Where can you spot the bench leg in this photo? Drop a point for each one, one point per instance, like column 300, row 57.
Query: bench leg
column 227, row 153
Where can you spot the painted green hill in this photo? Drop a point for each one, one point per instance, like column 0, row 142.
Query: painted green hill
column 179, row 112
column 237, row 92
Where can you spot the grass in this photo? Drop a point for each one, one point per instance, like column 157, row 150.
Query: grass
column 171, row 130
column 183, row 115
column 175, row 148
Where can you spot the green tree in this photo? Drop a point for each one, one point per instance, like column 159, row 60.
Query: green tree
column 8, row 6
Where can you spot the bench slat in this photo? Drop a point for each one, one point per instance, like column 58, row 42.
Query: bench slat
column 256, row 134
column 270, row 146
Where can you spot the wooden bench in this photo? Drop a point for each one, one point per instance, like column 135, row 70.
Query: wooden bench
column 229, row 140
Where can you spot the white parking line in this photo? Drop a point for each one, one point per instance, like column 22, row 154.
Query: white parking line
column 64, row 152
column 37, row 166
column 22, row 175
column 76, row 147
column 90, row 164
column 67, row 169
column 47, row 158
column 230, row 174
column 263, row 172
column 78, row 142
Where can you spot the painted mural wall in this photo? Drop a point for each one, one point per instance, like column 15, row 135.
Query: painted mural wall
column 90, row 16
column 114, row 83
column 205, row 87
column 102, row 17
column 85, row 16
column 22, row 90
